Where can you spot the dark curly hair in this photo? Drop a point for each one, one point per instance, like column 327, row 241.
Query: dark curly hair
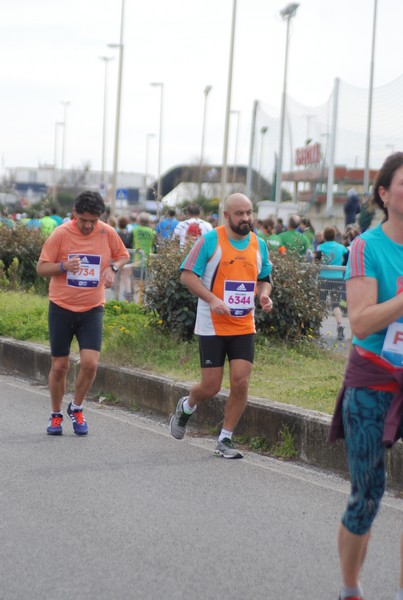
column 89, row 202
column 384, row 178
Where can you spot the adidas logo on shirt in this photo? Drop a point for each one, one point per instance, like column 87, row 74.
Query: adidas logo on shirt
column 84, row 260
column 241, row 288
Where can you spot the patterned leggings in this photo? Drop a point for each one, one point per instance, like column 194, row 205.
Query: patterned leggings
column 364, row 412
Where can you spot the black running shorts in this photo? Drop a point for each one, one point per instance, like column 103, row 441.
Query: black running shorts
column 65, row 324
column 214, row 348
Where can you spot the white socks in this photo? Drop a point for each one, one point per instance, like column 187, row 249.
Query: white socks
column 225, row 434
column 188, row 410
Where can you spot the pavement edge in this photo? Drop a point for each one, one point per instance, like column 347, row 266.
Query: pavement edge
column 140, row 390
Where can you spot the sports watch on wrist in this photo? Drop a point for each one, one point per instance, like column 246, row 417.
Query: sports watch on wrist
column 114, row 268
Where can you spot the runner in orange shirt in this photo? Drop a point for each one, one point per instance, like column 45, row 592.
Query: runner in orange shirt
column 226, row 269
column 81, row 257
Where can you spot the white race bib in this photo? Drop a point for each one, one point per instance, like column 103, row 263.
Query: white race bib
column 89, row 274
column 239, row 296
column 392, row 349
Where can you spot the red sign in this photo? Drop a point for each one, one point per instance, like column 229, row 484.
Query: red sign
column 307, row 155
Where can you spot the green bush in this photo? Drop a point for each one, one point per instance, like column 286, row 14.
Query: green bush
column 23, row 245
column 165, row 294
column 24, row 316
column 297, row 311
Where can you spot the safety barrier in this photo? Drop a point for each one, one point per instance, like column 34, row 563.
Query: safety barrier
column 332, row 292
column 130, row 282
column 130, row 279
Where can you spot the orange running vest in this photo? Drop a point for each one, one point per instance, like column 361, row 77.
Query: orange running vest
column 235, row 282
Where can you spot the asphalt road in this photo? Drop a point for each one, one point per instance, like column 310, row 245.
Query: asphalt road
column 130, row 513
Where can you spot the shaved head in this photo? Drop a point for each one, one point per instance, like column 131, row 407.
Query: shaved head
column 236, row 199
column 239, row 215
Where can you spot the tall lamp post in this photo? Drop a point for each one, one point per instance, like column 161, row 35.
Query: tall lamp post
column 369, row 116
column 118, row 103
column 159, row 186
column 227, row 117
column 149, row 136
column 106, row 59
column 57, row 125
column 65, row 104
column 237, row 114
column 287, row 13
column 207, row 90
column 263, row 131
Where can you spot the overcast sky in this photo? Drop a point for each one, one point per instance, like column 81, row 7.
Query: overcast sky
column 50, row 53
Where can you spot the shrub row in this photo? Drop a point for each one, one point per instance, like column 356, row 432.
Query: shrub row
column 19, row 252
column 297, row 311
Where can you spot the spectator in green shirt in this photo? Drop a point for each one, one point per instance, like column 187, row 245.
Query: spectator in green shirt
column 307, row 230
column 47, row 224
column 144, row 235
column 272, row 239
column 293, row 240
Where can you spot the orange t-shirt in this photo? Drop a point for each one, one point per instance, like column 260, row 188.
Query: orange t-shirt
column 86, row 289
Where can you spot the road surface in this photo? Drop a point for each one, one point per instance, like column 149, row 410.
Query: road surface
column 130, row 513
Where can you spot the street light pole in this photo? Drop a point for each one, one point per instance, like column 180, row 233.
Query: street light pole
column 207, row 90
column 263, row 131
column 57, row 124
column 227, row 117
column 159, row 184
column 237, row 114
column 118, row 103
column 369, row 116
column 287, row 13
column 65, row 104
column 148, row 138
column 106, row 59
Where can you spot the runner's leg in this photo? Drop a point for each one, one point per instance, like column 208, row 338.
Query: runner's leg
column 57, row 381
column 88, row 368
column 240, row 371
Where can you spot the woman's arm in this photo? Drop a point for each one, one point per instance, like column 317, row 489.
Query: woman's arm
column 366, row 315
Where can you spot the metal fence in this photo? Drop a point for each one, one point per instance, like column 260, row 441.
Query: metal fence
column 332, row 292
column 131, row 278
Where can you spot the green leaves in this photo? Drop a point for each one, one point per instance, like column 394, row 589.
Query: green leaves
column 297, row 312
column 165, row 293
column 19, row 251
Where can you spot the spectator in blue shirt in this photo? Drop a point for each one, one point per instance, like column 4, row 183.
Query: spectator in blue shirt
column 331, row 282
column 165, row 228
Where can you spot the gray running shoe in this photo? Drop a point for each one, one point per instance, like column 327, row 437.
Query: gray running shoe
column 226, row 449
column 179, row 420
column 340, row 332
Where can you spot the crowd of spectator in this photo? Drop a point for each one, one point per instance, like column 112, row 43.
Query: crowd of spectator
column 143, row 233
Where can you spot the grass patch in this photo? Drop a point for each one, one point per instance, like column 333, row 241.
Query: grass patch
column 302, row 374
column 285, row 447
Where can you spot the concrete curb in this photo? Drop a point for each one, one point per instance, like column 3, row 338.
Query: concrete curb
column 139, row 390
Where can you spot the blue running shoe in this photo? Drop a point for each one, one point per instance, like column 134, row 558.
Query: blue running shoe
column 80, row 426
column 55, row 424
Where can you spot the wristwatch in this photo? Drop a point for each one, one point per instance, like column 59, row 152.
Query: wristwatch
column 114, row 268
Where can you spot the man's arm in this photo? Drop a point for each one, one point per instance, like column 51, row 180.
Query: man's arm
column 109, row 274
column 45, row 268
column 264, row 290
column 196, row 287
column 119, row 262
